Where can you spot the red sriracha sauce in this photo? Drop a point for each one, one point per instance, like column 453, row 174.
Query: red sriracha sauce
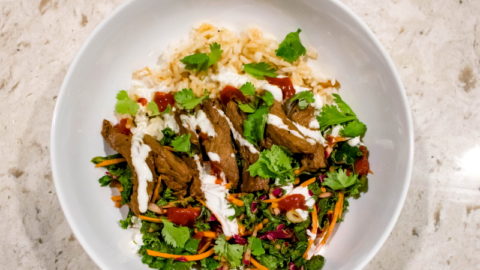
column 183, row 216
column 142, row 101
column 285, row 84
column 290, row 202
column 229, row 93
column 362, row 166
column 122, row 127
column 163, row 100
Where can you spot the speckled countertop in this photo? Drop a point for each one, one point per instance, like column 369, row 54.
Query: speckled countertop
column 435, row 45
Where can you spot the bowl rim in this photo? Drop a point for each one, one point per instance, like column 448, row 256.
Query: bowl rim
column 61, row 96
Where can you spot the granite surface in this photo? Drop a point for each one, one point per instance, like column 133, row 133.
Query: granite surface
column 435, row 45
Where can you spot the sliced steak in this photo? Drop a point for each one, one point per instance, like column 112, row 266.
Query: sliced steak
column 178, row 173
column 121, row 143
column 221, row 144
column 303, row 117
column 249, row 183
column 288, row 136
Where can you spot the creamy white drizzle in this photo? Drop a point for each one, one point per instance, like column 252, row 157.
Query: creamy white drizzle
column 354, row 141
column 314, row 124
column 213, row 156
column 336, row 130
column 278, row 122
column 139, row 152
column 318, row 103
column 143, row 88
column 313, row 134
column 275, row 90
column 199, row 120
column 158, row 123
column 216, row 200
column 237, row 136
column 229, row 77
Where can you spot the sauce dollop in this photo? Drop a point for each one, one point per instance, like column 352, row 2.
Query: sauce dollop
column 122, row 127
column 183, row 216
column 142, row 101
column 285, row 84
column 163, row 100
column 229, row 93
column 362, row 166
column 290, row 202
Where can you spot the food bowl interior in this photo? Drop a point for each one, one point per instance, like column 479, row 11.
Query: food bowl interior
column 136, row 35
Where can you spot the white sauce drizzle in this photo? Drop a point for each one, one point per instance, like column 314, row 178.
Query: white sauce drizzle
column 215, row 198
column 336, row 130
column 139, row 152
column 199, row 120
column 313, row 134
column 237, row 136
column 213, row 156
column 275, row 90
column 278, row 122
column 314, row 124
column 354, row 141
column 158, row 123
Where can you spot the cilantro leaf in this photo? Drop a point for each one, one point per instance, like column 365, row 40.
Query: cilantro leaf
column 202, row 61
column 269, row 261
column 254, row 125
column 124, row 223
column 304, row 98
column 315, row 263
column 192, row 245
column 248, row 89
column 342, row 105
column 105, row 180
column 209, row 264
column 215, row 54
column 231, row 252
column 260, row 70
column 173, row 235
column 273, row 163
column 256, row 246
column 339, row 179
column 152, row 108
column 291, row 48
column 330, row 115
column 268, row 98
column 125, row 105
column 353, row 129
column 187, row 100
column 181, row 143
column 246, row 107
column 125, row 180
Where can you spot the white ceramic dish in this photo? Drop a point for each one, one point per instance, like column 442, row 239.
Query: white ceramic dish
column 134, row 36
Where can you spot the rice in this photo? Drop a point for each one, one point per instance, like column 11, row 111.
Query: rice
column 250, row 46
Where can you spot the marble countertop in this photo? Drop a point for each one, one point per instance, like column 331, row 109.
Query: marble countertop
column 435, row 45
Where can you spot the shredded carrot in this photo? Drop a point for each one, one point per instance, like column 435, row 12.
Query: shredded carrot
column 116, row 198
column 297, row 171
column 258, row 227
column 202, row 202
column 314, row 230
column 235, row 201
column 322, row 189
column 110, row 162
column 241, row 229
column 218, row 181
column 207, row 234
column 336, row 213
column 151, row 219
column 228, row 185
column 205, row 246
column 189, row 258
column 257, row 264
column 308, row 182
column 273, row 200
column 297, row 180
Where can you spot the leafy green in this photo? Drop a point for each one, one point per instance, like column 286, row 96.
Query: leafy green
column 291, row 48
column 105, row 180
column 125, row 105
column 99, row 159
column 304, row 98
column 343, row 105
column 248, row 89
column 168, row 136
column 192, row 245
column 173, row 235
column 273, row 163
column 176, row 265
column 209, row 264
column 202, row 61
column 353, row 129
column 186, row 99
column 166, row 197
column 260, row 70
column 346, row 154
column 315, row 263
column 269, row 261
column 125, row 179
column 256, row 246
column 254, row 125
column 124, row 223
column 231, row 252
column 331, row 115
column 339, row 179
column 152, row 108
column 181, row 143
column 268, row 98
column 246, row 107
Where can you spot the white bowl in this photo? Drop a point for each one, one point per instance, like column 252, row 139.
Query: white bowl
column 135, row 35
